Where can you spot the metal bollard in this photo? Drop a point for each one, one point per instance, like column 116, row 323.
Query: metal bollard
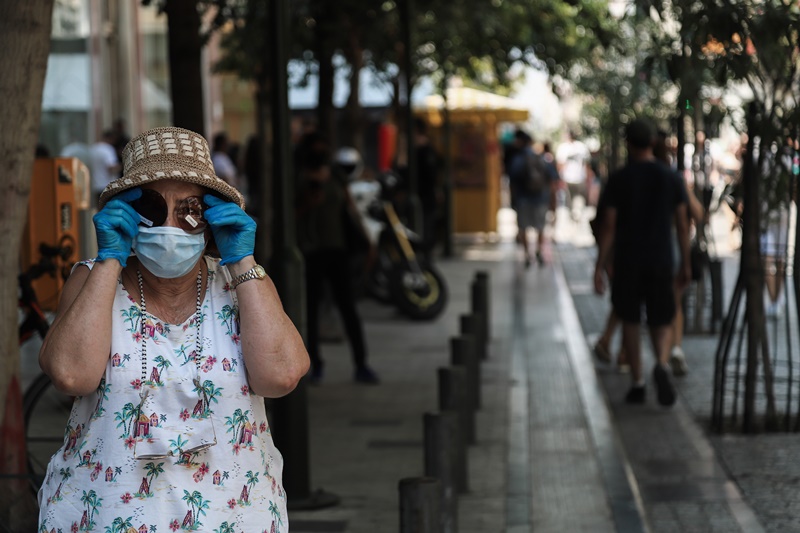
column 471, row 325
column 483, row 297
column 480, row 313
column 477, row 327
column 453, row 398
column 463, row 353
column 441, row 440
column 420, row 503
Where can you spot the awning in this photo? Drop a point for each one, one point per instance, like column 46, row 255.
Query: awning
column 464, row 102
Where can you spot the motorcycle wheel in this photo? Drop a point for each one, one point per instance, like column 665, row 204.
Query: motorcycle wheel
column 419, row 299
column 378, row 287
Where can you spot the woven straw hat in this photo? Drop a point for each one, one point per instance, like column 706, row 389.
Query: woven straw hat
column 168, row 153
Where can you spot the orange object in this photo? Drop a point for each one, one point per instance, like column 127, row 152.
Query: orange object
column 387, row 146
column 52, row 221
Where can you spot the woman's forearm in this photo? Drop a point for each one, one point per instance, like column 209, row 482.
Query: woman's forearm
column 76, row 348
column 273, row 349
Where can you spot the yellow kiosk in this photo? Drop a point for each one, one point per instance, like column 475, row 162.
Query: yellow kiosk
column 475, row 150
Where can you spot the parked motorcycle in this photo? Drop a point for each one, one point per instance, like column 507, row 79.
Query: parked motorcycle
column 400, row 274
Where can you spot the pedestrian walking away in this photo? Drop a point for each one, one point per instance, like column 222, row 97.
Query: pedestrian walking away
column 643, row 201
column 169, row 353
column 533, row 185
column 695, row 214
column 602, row 348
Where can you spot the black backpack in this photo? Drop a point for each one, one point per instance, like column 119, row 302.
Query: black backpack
column 536, row 180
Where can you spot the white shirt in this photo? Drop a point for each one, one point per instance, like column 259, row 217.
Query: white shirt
column 103, row 158
column 224, row 168
column 79, row 150
column 573, row 157
column 239, row 478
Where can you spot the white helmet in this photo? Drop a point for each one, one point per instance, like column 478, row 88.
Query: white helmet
column 348, row 161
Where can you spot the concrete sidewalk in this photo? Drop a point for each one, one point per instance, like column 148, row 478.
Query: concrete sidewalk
column 689, row 478
column 547, row 457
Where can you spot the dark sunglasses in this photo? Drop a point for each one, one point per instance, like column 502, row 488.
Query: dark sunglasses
column 153, row 211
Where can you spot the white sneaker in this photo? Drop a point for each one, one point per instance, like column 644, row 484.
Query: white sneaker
column 677, row 361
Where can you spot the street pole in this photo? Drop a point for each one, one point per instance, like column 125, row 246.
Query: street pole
column 447, row 136
column 290, row 413
column 414, row 206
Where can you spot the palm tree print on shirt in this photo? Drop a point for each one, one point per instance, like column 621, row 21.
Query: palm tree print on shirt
column 225, row 527
column 102, row 396
column 126, row 419
column 276, row 515
column 92, row 503
column 209, row 394
column 133, row 316
column 197, row 507
column 120, row 525
column 65, row 474
column 162, row 364
column 153, row 471
column 247, row 488
column 229, row 317
column 243, row 430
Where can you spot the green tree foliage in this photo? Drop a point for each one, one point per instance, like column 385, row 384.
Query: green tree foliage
column 476, row 39
column 480, row 41
column 750, row 47
column 621, row 80
column 186, row 38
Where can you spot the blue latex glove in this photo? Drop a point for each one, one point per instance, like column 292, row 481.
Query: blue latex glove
column 116, row 225
column 234, row 231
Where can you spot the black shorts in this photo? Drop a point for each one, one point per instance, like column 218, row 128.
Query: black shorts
column 629, row 290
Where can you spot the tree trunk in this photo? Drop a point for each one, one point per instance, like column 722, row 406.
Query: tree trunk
column 753, row 271
column 25, row 41
column 185, row 66
column 264, row 200
column 325, row 115
column 353, row 134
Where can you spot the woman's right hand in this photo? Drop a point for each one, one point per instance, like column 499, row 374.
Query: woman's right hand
column 116, row 226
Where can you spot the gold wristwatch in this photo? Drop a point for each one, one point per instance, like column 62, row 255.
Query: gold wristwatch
column 257, row 272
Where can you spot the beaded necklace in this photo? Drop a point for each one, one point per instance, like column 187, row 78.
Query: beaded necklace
column 198, row 315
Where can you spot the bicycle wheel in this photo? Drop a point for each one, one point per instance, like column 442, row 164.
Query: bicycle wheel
column 46, row 412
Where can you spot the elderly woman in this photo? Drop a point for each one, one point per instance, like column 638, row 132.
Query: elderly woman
column 169, row 352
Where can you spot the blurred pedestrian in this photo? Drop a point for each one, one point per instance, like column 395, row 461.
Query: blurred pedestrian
column 104, row 163
column 644, row 200
column 552, row 167
column 533, row 188
column 223, row 165
column 121, row 137
column 695, row 214
column 573, row 159
column 321, row 203
column 602, row 348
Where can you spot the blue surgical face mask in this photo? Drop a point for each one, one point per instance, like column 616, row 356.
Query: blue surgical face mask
column 168, row 252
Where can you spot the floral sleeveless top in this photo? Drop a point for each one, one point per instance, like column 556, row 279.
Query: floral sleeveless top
column 187, row 448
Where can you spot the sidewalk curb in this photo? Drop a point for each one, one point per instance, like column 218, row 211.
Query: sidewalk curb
column 620, row 483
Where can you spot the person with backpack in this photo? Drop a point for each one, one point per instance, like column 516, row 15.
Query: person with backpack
column 533, row 187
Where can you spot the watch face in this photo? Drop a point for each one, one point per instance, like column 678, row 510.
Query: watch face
column 260, row 272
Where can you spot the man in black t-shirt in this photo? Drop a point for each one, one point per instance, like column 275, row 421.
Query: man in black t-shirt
column 643, row 200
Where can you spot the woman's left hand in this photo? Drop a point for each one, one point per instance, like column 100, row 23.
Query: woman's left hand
column 234, row 231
